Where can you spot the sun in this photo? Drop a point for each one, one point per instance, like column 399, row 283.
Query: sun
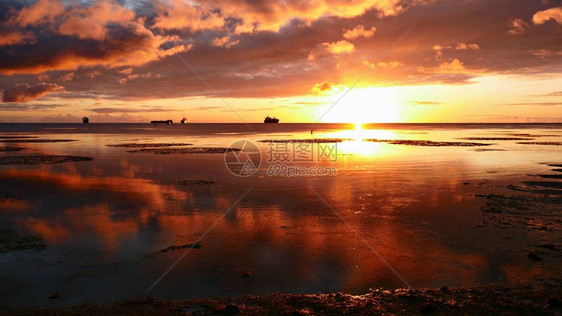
column 367, row 105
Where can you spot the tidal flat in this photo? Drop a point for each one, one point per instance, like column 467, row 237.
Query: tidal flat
column 463, row 223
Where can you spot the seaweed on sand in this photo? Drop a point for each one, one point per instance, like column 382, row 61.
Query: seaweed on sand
column 495, row 299
column 16, row 137
column 196, row 182
column 550, row 176
column 35, row 160
column 495, row 138
column 541, row 143
column 195, row 245
column 37, row 140
column 10, row 148
column 311, row 140
column 12, row 241
column 544, row 184
column 148, row 145
column 425, row 143
column 186, row 150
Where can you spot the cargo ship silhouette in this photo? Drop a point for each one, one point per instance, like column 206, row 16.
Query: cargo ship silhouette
column 162, row 122
column 271, row 120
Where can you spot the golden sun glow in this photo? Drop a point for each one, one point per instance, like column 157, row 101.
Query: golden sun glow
column 367, row 105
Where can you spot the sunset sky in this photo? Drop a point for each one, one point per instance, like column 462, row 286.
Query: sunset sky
column 127, row 61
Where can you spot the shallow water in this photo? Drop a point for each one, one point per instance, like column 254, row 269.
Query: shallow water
column 414, row 207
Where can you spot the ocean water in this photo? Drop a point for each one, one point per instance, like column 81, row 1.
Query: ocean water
column 390, row 215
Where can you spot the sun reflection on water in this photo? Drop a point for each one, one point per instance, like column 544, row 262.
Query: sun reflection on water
column 355, row 141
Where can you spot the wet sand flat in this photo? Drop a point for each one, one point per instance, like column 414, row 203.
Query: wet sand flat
column 456, row 216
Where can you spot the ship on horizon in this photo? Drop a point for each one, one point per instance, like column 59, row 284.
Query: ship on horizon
column 162, row 122
column 271, row 120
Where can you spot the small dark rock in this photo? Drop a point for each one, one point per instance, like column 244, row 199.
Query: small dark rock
column 229, row 309
column 247, row 274
column 553, row 302
column 533, row 256
column 428, row 307
column 548, row 246
column 55, row 295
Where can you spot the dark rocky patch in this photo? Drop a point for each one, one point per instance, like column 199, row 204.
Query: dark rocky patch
column 35, row 160
column 541, row 143
column 16, row 137
column 186, row 150
column 533, row 256
column 495, row 138
column 11, row 241
column 312, row 140
column 480, row 300
column 196, row 245
column 148, row 145
column 37, row 140
column 425, row 143
column 10, row 148
column 545, row 184
column 487, row 149
column 196, row 182
column 550, row 176
column 531, row 135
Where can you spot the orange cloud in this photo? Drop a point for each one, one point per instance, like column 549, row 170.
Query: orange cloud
column 328, row 88
column 542, row 17
column 359, row 31
column 131, row 76
column 263, row 16
column 225, row 41
column 24, row 92
column 335, row 48
column 66, row 77
column 382, row 64
column 93, row 74
column 517, row 26
column 178, row 14
column 464, row 46
column 451, row 67
column 14, row 38
column 91, row 22
column 127, row 43
column 40, row 12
